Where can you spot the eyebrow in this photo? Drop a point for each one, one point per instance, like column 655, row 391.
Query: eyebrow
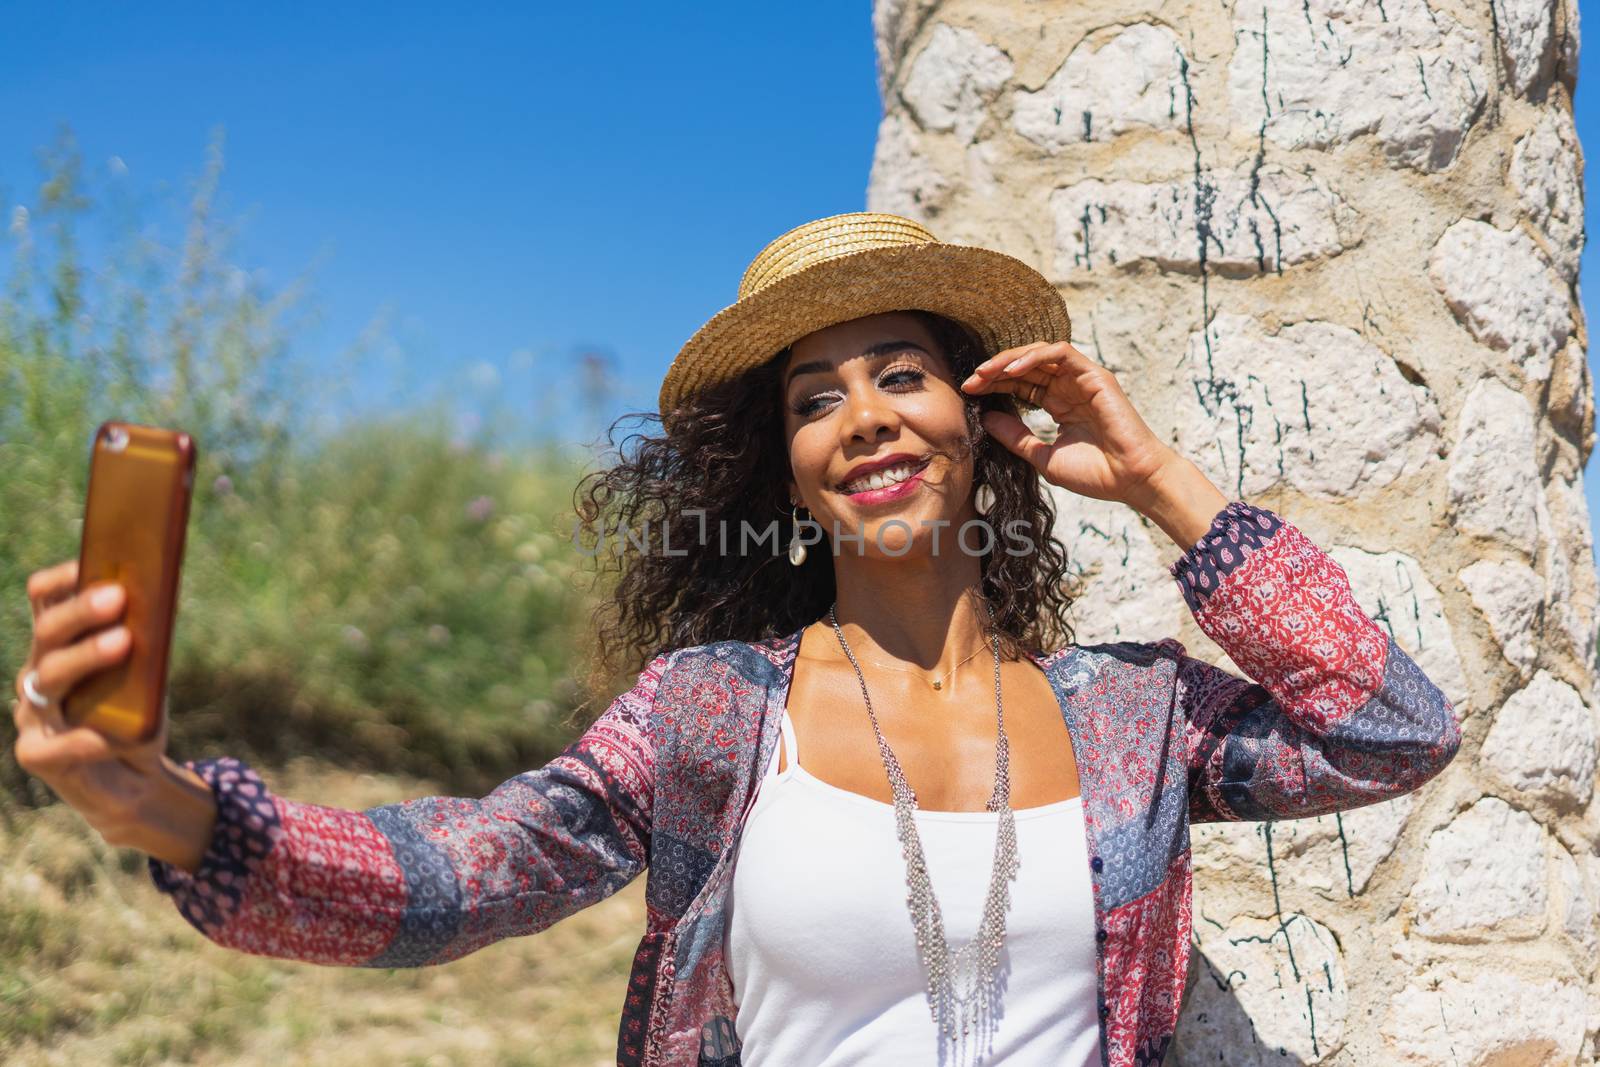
column 882, row 348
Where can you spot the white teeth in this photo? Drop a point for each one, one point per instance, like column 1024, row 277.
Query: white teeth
column 879, row 479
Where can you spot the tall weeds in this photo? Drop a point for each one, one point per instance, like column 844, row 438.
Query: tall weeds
column 382, row 594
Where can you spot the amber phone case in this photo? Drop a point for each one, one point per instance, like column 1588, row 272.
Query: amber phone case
column 135, row 516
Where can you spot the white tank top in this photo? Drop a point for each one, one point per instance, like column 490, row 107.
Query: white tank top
column 821, row 950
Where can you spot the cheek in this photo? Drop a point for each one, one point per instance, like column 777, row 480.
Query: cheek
column 810, row 455
column 943, row 419
column 939, row 404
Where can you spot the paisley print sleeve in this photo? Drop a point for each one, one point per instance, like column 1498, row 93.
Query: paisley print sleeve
column 1334, row 715
column 428, row 880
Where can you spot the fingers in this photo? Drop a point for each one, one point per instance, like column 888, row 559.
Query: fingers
column 1014, row 434
column 24, row 716
column 47, row 586
column 1020, row 360
column 1021, row 371
column 62, row 669
column 62, row 622
column 48, row 756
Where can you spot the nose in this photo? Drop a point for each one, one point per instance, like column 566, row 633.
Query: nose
column 868, row 416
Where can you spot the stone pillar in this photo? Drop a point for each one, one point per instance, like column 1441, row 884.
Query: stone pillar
column 1331, row 248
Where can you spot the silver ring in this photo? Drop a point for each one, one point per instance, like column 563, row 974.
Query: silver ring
column 30, row 688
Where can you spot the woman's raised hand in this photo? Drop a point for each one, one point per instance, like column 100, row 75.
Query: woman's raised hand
column 1104, row 449
column 108, row 781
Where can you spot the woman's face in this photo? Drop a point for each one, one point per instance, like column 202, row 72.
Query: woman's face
column 859, row 393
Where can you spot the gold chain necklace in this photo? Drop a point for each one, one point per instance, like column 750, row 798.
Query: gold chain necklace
column 937, row 683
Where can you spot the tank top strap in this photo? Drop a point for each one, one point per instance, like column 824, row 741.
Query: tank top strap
column 790, row 757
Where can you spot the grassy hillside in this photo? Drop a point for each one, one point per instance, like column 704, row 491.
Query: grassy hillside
column 387, row 594
column 98, row 969
column 381, row 610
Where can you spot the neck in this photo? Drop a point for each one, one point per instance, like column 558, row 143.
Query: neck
column 923, row 611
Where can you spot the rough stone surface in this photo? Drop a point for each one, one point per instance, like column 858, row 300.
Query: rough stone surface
column 1259, row 221
column 1569, row 41
column 1546, row 169
column 889, row 27
column 1336, row 70
column 903, row 181
column 1509, row 595
column 1572, row 394
column 1333, row 855
column 1365, row 837
column 1494, row 469
column 1127, row 594
column 1527, row 35
column 1268, row 993
column 1313, row 406
column 1485, row 1018
column 1543, row 742
column 1382, row 341
column 1504, row 292
column 1119, row 78
column 1470, row 893
column 953, row 80
column 1560, row 613
column 1393, row 588
column 1577, row 904
column 982, row 159
column 1572, row 586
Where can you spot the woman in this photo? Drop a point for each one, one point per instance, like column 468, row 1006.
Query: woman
column 851, row 858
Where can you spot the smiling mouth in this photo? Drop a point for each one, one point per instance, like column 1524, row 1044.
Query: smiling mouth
column 882, row 479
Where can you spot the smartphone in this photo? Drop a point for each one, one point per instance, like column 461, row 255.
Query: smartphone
column 135, row 517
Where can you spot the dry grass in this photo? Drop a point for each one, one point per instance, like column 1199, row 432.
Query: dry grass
column 97, row 968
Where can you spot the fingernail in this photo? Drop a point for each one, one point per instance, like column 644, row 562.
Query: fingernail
column 106, row 596
column 113, row 638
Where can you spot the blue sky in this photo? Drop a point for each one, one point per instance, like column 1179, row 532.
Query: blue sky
column 501, row 188
column 530, row 180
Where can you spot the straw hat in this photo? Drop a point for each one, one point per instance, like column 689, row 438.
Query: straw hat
column 864, row 263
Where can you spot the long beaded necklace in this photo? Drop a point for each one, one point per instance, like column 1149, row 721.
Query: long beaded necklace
column 974, row 1005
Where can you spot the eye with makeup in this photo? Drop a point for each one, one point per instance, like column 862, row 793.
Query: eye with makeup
column 903, row 378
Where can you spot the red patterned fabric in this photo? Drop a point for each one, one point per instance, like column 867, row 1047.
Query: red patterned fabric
column 1147, row 953
column 1333, row 716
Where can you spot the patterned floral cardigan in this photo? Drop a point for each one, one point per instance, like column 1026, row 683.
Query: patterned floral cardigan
column 1337, row 717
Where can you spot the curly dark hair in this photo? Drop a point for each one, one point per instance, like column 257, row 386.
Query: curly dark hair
column 721, row 459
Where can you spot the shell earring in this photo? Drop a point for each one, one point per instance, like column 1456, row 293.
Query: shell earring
column 797, row 547
column 983, row 499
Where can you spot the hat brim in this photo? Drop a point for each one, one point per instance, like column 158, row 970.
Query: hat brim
column 1001, row 299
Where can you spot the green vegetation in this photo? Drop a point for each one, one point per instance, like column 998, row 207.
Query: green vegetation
column 369, row 611
column 99, row 970
column 384, row 594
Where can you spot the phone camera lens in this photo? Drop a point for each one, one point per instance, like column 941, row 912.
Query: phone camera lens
column 116, row 439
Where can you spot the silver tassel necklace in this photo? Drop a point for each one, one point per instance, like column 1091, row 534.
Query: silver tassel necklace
column 963, row 991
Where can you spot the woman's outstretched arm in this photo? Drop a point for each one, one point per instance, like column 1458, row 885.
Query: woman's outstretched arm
column 1337, row 716
column 429, row 880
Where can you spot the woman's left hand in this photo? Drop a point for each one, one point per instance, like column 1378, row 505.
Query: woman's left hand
column 1104, row 449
